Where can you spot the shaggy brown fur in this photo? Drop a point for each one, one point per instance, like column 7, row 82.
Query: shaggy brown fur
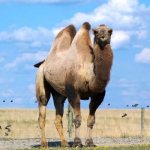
column 103, row 57
column 75, row 69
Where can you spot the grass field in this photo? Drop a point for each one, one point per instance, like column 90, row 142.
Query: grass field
column 109, row 123
column 140, row 147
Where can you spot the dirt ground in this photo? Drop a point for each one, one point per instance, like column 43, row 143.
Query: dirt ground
column 19, row 128
column 13, row 144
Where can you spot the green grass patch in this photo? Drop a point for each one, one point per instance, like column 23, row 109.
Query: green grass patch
column 135, row 147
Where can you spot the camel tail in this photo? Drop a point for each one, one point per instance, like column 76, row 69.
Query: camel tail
column 39, row 64
column 42, row 86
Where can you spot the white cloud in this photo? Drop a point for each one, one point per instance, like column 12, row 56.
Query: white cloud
column 7, row 93
column 127, row 23
column 27, row 57
column 115, row 13
column 29, row 37
column 143, row 56
column 127, row 18
column 40, row 1
column 119, row 38
column 33, row 37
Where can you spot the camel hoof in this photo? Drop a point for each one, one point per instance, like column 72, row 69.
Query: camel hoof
column 44, row 144
column 89, row 143
column 64, row 144
column 77, row 143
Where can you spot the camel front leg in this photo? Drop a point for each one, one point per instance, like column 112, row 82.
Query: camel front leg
column 90, row 124
column 96, row 100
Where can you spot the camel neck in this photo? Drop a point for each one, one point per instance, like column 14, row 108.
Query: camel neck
column 102, row 63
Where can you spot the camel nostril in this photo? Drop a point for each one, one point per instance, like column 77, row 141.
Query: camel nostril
column 102, row 37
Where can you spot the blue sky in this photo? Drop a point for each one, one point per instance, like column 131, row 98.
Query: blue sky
column 28, row 28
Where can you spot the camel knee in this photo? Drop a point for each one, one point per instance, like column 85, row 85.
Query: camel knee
column 91, row 121
column 43, row 100
column 58, row 122
column 77, row 121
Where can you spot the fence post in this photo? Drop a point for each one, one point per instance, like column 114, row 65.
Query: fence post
column 70, row 120
column 142, row 121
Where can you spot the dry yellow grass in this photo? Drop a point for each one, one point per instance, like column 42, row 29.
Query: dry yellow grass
column 109, row 123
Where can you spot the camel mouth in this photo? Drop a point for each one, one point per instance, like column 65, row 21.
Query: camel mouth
column 103, row 39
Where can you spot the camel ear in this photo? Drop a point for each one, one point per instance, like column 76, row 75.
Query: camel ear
column 110, row 31
column 94, row 31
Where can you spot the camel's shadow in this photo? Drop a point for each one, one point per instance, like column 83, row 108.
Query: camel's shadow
column 53, row 144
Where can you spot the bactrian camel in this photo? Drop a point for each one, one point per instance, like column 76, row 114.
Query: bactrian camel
column 74, row 69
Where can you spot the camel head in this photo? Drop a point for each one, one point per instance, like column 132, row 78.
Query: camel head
column 102, row 35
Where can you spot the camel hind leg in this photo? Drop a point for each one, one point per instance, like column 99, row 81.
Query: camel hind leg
column 59, row 106
column 43, row 95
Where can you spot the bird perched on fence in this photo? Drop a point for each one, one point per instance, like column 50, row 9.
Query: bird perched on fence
column 135, row 105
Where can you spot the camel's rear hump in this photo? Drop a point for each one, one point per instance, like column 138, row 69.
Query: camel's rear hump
column 64, row 39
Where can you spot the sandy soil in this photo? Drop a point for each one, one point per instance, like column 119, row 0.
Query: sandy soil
column 13, row 144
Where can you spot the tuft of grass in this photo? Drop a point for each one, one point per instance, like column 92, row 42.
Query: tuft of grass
column 109, row 123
